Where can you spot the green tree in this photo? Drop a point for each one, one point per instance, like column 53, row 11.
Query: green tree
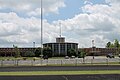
column 116, row 43
column 71, row 52
column 47, row 52
column 29, row 54
column 38, row 52
column 112, row 45
column 81, row 54
column 17, row 52
column 108, row 45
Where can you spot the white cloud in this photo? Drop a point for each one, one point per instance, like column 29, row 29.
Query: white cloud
column 49, row 6
column 113, row 1
column 32, row 7
column 13, row 28
column 87, row 2
column 98, row 21
column 20, row 31
column 35, row 12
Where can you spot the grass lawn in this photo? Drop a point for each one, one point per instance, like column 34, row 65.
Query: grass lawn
column 19, row 58
column 28, row 58
column 57, row 58
column 59, row 73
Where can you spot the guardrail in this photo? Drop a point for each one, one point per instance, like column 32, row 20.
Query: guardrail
column 59, row 62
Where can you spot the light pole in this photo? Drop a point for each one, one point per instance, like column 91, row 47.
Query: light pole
column 60, row 29
column 41, row 28
column 93, row 46
column 33, row 44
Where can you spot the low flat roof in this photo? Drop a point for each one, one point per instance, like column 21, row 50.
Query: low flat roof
column 62, row 43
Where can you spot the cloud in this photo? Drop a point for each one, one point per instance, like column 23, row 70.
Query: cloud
column 49, row 7
column 87, row 2
column 16, row 29
column 97, row 21
column 31, row 7
column 20, row 31
column 113, row 1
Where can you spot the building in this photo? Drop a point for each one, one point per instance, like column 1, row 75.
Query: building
column 60, row 47
column 101, row 51
column 4, row 52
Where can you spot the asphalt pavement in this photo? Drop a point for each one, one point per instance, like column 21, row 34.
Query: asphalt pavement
column 60, row 68
column 64, row 77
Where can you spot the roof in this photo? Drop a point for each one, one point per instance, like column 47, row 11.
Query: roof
column 61, row 43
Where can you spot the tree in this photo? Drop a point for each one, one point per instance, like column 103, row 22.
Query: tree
column 38, row 52
column 47, row 52
column 29, row 54
column 71, row 52
column 108, row 45
column 112, row 45
column 17, row 52
column 81, row 54
column 116, row 43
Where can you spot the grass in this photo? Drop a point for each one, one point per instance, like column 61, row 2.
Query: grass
column 57, row 58
column 58, row 73
column 5, row 58
column 27, row 58
column 19, row 58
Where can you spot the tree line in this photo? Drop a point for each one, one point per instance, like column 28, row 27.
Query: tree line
column 115, row 44
column 47, row 52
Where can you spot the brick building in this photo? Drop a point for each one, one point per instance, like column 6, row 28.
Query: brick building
column 101, row 51
column 11, row 51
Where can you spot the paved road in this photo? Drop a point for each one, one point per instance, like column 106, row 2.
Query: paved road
column 59, row 68
column 64, row 77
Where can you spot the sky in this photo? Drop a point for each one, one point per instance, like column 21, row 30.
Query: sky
column 81, row 22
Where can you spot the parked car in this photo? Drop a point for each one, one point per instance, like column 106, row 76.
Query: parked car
column 66, row 57
column 72, row 56
column 110, row 56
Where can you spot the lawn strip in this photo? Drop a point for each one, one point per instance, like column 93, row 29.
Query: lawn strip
column 30, row 73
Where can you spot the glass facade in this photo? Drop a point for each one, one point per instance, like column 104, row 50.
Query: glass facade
column 60, row 49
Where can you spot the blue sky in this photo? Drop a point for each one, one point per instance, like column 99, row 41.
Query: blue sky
column 82, row 21
column 73, row 7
